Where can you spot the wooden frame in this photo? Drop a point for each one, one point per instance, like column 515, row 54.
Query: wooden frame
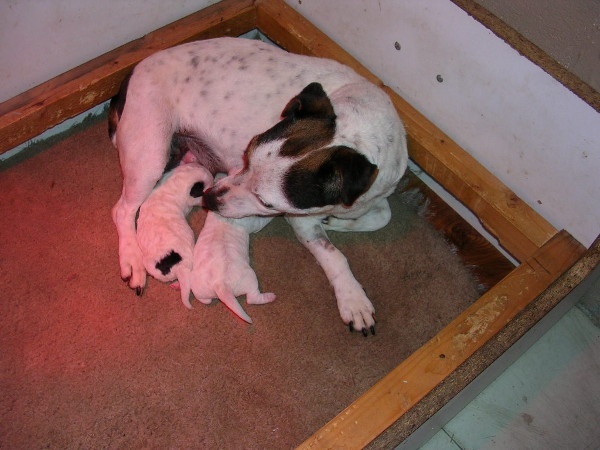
column 421, row 384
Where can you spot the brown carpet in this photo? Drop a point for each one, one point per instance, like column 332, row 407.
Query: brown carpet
column 85, row 363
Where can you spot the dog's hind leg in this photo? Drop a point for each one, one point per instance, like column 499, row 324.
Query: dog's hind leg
column 130, row 256
column 143, row 146
column 374, row 219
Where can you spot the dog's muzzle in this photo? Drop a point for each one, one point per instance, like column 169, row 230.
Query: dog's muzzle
column 210, row 198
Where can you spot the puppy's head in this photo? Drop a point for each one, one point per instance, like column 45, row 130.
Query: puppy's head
column 292, row 168
column 184, row 185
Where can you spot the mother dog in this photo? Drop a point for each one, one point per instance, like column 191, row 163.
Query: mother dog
column 334, row 148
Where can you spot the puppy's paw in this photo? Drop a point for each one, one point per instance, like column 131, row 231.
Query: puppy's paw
column 205, row 301
column 260, row 299
column 358, row 313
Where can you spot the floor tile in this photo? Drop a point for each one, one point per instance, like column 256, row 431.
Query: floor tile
column 549, row 398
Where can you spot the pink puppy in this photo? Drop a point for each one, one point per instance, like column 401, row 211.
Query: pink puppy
column 221, row 266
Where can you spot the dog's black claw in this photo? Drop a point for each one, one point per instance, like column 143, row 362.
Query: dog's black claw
column 139, row 291
column 364, row 330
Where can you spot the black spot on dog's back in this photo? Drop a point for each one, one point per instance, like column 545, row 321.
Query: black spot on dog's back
column 166, row 264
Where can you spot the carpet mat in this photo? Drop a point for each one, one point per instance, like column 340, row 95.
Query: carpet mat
column 85, row 363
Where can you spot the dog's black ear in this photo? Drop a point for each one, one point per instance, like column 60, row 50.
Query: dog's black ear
column 347, row 174
column 311, row 102
column 331, row 176
column 197, row 189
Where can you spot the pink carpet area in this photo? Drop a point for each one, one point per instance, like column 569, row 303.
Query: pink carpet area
column 85, row 363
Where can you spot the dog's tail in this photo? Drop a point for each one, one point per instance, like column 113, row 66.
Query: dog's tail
column 225, row 294
column 115, row 108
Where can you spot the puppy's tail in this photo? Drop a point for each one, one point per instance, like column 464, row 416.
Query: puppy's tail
column 225, row 294
column 185, row 285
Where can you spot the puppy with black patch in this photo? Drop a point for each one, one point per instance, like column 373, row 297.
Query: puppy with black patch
column 301, row 136
column 164, row 235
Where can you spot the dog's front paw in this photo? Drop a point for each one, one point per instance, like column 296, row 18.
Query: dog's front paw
column 358, row 312
column 133, row 271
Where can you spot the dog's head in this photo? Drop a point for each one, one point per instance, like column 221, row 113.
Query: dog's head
column 292, row 168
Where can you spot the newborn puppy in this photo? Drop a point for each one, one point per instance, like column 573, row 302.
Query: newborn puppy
column 221, row 266
column 163, row 233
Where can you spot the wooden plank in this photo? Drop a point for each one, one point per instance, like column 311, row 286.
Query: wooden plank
column 532, row 52
column 290, row 30
column 422, row 371
column 517, row 227
column 487, row 264
column 491, row 350
column 29, row 114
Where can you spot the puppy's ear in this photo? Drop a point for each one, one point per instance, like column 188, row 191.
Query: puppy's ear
column 197, row 189
column 347, row 174
column 311, row 102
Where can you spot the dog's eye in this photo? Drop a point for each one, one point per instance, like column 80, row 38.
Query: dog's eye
column 262, row 202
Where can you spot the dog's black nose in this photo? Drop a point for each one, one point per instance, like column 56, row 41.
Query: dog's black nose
column 209, row 200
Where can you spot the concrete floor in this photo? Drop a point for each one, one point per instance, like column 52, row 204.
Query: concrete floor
column 549, row 398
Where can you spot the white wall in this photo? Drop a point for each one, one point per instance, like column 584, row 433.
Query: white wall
column 538, row 138
column 40, row 39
